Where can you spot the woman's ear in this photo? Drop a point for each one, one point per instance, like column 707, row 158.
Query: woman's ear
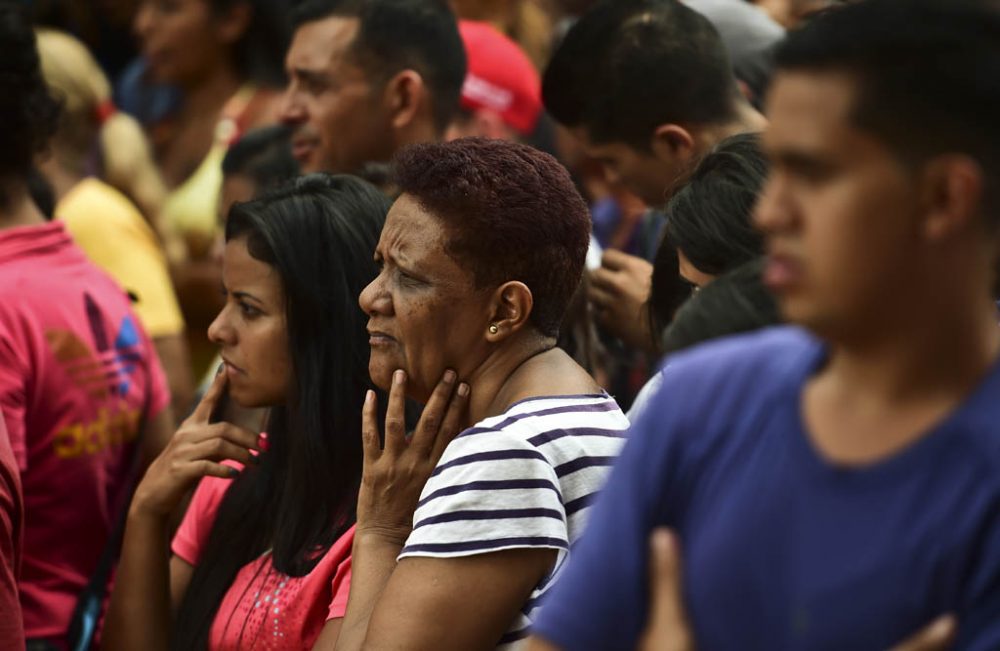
column 511, row 307
column 233, row 24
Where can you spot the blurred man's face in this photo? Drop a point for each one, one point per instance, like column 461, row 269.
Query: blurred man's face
column 335, row 108
column 839, row 211
column 644, row 174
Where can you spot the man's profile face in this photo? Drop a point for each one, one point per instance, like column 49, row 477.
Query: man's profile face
column 642, row 173
column 331, row 101
column 840, row 212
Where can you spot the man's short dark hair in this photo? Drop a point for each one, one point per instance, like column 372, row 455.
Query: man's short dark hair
column 397, row 35
column 628, row 66
column 511, row 212
column 28, row 113
column 927, row 75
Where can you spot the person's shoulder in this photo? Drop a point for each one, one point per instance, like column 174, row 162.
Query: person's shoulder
column 775, row 350
column 543, row 419
column 594, row 404
column 95, row 208
column 94, row 199
column 734, row 375
column 976, row 423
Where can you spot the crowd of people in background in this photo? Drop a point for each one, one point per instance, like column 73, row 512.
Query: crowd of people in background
column 518, row 324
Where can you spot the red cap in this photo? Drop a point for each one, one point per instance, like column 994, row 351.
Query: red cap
column 500, row 77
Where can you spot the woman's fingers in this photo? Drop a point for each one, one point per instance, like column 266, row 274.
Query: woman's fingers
column 433, row 415
column 453, row 421
column 219, row 449
column 242, row 437
column 395, row 415
column 203, row 412
column 213, row 469
column 369, row 428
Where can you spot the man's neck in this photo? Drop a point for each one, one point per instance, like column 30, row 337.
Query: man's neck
column 883, row 390
column 19, row 208
column 927, row 357
column 746, row 119
column 418, row 131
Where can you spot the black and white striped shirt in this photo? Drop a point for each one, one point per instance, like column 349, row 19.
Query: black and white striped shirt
column 522, row 479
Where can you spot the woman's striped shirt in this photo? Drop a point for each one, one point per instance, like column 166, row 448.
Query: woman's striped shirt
column 522, row 479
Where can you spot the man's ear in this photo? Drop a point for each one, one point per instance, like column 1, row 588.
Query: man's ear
column 951, row 195
column 672, row 143
column 404, row 94
column 511, row 308
column 234, row 23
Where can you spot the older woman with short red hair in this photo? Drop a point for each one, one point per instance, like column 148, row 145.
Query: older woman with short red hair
column 479, row 258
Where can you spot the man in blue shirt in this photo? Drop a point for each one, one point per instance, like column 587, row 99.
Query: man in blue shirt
column 835, row 485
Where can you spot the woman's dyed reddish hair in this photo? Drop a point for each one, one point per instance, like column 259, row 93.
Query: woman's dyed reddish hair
column 512, row 213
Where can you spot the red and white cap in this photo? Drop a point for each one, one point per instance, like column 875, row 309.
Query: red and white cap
column 500, row 77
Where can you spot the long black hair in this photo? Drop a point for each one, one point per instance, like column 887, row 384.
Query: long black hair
column 710, row 221
column 710, row 218
column 319, row 233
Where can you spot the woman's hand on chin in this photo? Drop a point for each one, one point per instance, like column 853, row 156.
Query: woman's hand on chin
column 394, row 476
column 196, row 450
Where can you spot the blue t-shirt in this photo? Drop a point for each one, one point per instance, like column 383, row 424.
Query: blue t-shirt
column 781, row 549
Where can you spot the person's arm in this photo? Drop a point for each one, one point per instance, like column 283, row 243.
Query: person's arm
column 481, row 594
column 668, row 628
column 329, row 635
column 150, row 583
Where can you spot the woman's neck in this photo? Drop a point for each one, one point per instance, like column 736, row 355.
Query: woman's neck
column 59, row 174
column 524, row 370
column 212, row 91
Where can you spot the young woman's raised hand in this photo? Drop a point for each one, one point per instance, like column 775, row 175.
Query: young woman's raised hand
column 195, row 450
column 394, row 476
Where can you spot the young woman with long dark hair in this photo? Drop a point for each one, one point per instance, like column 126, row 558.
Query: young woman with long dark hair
column 262, row 555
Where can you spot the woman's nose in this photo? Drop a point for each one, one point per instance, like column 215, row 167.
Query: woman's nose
column 219, row 331
column 373, row 299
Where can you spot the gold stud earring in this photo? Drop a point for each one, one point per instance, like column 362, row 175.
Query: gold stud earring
column 494, row 329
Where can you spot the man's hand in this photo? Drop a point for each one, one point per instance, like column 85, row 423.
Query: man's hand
column 937, row 636
column 619, row 290
column 668, row 628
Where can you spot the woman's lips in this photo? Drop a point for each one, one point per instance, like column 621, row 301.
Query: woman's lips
column 379, row 339
column 231, row 368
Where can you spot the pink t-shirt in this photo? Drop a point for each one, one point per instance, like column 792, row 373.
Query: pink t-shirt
column 11, row 528
column 78, row 376
column 265, row 609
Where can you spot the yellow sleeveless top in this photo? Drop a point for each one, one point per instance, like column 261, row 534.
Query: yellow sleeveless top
column 191, row 209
